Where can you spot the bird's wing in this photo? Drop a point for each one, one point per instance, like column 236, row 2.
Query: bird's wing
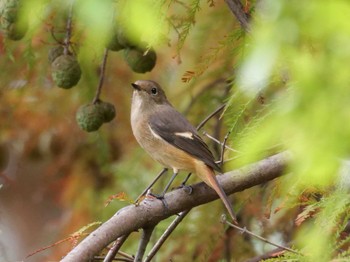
column 177, row 131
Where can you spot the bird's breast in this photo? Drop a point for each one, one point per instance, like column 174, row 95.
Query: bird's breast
column 159, row 149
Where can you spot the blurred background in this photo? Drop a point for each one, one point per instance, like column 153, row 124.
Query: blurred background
column 286, row 85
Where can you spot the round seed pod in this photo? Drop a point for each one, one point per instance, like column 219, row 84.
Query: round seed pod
column 125, row 36
column 14, row 31
column 108, row 111
column 13, row 21
column 10, row 10
column 66, row 71
column 90, row 117
column 139, row 61
column 55, row 52
column 113, row 43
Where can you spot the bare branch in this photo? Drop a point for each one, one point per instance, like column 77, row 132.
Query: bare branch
column 271, row 254
column 115, row 248
column 68, row 30
column 220, row 143
column 149, row 213
column 246, row 231
column 237, row 9
column 166, row 234
column 219, row 109
column 146, row 236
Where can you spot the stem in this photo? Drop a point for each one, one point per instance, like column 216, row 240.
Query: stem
column 219, row 109
column 217, row 141
column 246, row 231
column 102, row 77
column 68, row 30
column 223, row 146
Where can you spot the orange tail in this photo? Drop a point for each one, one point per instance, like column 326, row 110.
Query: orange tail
column 209, row 177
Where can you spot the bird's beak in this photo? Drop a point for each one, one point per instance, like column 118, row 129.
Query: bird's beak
column 136, row 87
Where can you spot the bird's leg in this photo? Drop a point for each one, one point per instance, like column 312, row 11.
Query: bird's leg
column 161, row 196
column 169, row 183
column 186, row 179
column 140, row 197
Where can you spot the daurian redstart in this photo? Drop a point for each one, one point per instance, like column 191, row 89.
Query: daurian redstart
column 169, row 138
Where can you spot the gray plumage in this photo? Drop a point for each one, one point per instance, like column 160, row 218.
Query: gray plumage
column 163, row 124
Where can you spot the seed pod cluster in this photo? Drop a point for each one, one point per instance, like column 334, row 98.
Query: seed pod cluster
column 65, row 69
column 90, row 117
column 139, row 58
column 13, row 19
column 55, row 52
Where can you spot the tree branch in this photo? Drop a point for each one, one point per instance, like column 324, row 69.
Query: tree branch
column 146, row 236
column 237, row 9
column 150, row 212
column 166, row 234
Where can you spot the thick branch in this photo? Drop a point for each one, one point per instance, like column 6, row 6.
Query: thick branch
column 237, row 9
column 151, row 212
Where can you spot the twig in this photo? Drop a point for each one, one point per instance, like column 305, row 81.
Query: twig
column 68, row 30
column 246, row 231
column 146, row 236
column 55, row 38
column 101, row 258
column 219, row 109
column 102, row 77
column 271, row 254
column 115, row 248
column 166, row 234
column 220, row 143
column 223, row 146
column 202, row 91
column 237, row 9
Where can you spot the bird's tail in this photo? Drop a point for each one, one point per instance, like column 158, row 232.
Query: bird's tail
column 207, row 174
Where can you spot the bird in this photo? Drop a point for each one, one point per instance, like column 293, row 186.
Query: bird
column 169, row 138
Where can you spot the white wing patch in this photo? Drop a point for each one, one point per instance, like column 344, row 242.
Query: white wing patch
column 188, row 135
column 154, row 133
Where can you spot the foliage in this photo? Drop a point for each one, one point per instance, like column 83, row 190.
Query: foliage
column 286, row 87
column 300, row 68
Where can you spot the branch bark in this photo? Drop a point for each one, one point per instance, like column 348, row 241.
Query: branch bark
column 150, row 212
column 237, row 9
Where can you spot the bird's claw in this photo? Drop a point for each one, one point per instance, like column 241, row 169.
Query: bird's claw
column 159, row 197
column 187, row 189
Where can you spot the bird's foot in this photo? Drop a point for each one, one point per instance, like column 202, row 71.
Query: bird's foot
column 159, row 197
column 187, row 189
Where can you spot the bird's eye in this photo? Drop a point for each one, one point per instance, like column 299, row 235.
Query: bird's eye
column 154, row 91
